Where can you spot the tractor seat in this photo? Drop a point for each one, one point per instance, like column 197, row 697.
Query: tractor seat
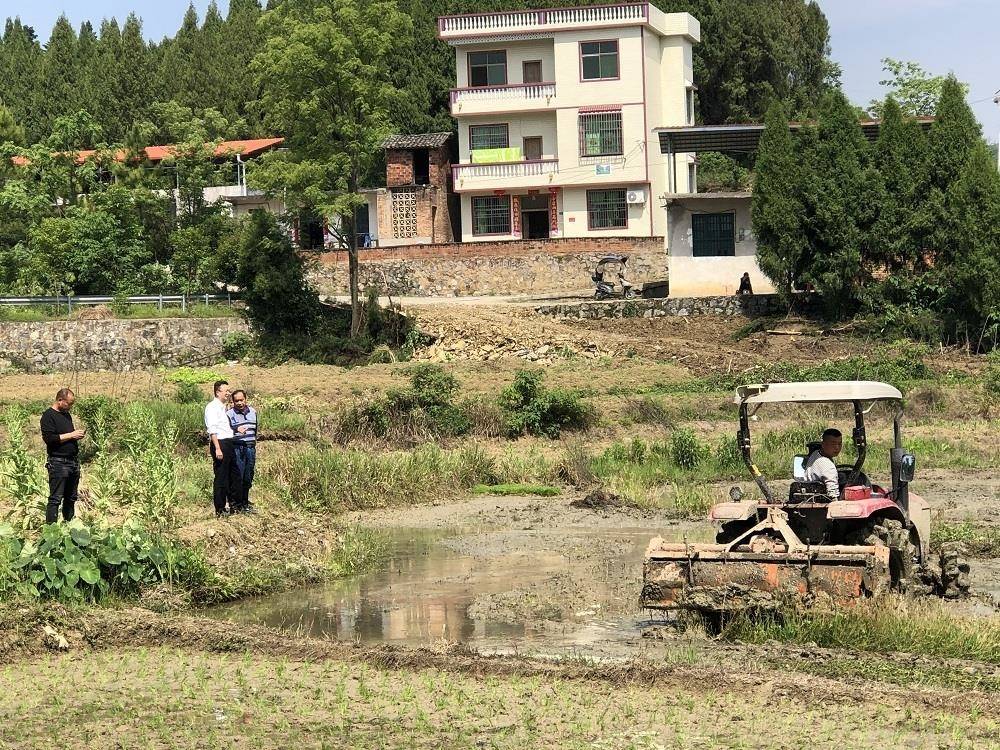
column 807, row 492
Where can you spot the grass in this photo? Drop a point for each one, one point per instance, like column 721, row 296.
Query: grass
column 979, row 541
column 922, row 627
column 42, row 313
column 515, row 489
column 162, row 697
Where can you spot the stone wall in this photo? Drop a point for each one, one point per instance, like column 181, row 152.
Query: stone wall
column 491, row 268
column 113, row 344
column 750, row 306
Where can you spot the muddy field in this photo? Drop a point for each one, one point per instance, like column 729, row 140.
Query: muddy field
column 503, row 622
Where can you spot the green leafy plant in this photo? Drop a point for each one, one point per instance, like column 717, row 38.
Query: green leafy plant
column 22, row 476
column 188, row 393
column 686, row 450
column 530, row 408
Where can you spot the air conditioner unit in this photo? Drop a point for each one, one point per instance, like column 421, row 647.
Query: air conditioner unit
column 635, row 196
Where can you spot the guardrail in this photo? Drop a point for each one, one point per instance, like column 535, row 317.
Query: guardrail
column 505, row 93
column 160, row 300
column 501, row 22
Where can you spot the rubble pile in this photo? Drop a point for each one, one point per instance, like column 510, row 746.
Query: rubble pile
column 493, row 337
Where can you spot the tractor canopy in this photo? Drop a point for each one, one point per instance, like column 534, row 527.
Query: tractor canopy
column 828, row 391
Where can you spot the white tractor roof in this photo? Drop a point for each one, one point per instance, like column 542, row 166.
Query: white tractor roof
column 827, row 390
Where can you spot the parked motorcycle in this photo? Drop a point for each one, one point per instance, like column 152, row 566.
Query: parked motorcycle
column 606, row 286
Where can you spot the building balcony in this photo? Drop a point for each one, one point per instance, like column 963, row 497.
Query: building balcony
column 504, row 175
column 513, row 97
column 451, row 28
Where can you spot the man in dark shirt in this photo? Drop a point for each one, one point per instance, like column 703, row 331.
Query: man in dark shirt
column 62, row 441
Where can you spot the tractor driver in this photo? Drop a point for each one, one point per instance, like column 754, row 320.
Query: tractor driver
column 820, row 465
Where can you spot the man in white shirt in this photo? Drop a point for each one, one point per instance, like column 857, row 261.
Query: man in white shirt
column 226, row 486
column 820, row 466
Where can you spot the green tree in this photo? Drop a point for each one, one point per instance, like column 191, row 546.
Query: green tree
column 778, row 213
column 10, row 131
column 177, row 70
column 913, row 88
column 242, row 40
column 20, row 60
column 326, row 85
column 839, row 204
column 272, row 276
column 971, row 274
column 898, row 235
column 56, row 94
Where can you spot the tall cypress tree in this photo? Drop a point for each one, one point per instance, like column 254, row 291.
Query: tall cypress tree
column 56, row 94
column 211, row 71
column 971, row 274
column 898, row 236
column 84, row 69
column 134, row 79
column 20, row 59
column 179, row 55
column 777, row 207
column 242, row 40
column 104, row 73
column 10, row 131
column 838, row 202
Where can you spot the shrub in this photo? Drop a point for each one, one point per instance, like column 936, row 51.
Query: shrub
column 531, row 408
column 236, row 345
column 188, row 393
column 686, row 451
column 425, row 409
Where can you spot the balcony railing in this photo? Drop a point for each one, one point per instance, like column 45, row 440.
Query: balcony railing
column 505, row 170
column 513, row 92
column 538, row 20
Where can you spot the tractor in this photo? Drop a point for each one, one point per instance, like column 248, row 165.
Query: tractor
column 808, row 546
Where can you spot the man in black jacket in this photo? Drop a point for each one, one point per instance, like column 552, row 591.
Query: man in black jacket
column 62, row 441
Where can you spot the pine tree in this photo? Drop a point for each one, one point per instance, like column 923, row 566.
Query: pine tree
column 210, row 68
column 104, row 73
column 56, row 94
column 10, row 131
column 777, row 208
column 972, row 275
column 134, row 78
column 899, row 157
column 242, row 40
column 839, row 205
column 177, row 70
column 85, row 68
column 20, row 59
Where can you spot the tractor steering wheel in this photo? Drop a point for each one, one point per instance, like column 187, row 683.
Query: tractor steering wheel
column 844, row 472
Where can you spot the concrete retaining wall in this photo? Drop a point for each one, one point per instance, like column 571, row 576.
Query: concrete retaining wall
column 749, row 306
column 113, row 344
column 491, row 268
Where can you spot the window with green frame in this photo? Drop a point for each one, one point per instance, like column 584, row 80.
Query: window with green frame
column 713, row 235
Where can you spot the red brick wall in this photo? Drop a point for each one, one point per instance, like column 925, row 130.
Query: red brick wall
column 398, row 168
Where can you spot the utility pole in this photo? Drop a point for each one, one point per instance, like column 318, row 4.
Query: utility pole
column 996, row 100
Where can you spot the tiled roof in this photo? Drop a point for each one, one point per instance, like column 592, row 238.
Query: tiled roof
column 416, row 140
column 159, row 153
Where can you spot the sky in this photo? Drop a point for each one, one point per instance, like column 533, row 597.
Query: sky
column 943, row 36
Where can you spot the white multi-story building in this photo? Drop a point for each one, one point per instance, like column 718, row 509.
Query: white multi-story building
column 555, row 113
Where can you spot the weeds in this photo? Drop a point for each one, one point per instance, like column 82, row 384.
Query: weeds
column 888, row 625
column 23, row 480
column 358, row 551
column 978, row 541
column 515, row 489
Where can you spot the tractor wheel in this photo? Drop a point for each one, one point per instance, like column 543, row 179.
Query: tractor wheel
column 903, row 568
column 946, row 575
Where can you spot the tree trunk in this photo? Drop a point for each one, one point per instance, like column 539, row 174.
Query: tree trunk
column 352, row 260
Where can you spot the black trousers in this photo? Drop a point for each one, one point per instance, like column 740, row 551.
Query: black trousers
column 64, row 483
column 227, row 486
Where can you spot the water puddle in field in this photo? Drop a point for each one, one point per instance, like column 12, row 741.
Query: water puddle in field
column 490, row 589
column 571, row 589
